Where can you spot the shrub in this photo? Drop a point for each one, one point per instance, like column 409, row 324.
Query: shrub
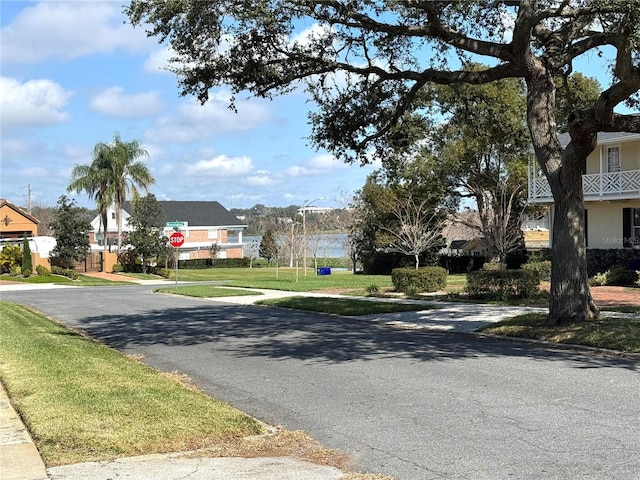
column 620, row 276
column 65, row 272
column 42, row 270
column 233, row 262
column 599, row 260
column 425, row 279
column 163, row 272
column 598, row 280
column 372, row 289
column 10, row 256
column 117, row 268
column 502, row 284
column 543, row 267
column 15, row 270
column 27, row 262
column 494, row 266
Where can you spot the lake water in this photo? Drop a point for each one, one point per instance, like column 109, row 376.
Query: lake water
column 329, row 244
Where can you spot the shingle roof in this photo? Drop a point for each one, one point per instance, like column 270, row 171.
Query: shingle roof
column 19, row 210
column 209, row 214
column 603, row 137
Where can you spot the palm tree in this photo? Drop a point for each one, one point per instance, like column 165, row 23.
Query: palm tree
column 94, row 180
column 113, row 173
column 127, row 173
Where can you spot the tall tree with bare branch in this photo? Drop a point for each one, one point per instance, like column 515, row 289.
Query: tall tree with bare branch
column 365, row 64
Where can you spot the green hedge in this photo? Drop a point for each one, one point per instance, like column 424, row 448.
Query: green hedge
column 543, row 268
column 425, row 279
column 618, row 276
column 217, row 263
column 502, row 284
column 66, row 272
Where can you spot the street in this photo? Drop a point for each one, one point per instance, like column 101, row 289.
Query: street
column 416, row 405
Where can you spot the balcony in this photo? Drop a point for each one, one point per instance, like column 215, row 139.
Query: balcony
column 606, row 186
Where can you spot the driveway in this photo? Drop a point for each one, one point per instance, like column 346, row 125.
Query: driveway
column 416, row 405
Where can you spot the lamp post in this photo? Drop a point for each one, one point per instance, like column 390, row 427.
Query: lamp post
column 306, row 204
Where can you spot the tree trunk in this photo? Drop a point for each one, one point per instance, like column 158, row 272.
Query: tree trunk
column 570, row 297
column 119, row 223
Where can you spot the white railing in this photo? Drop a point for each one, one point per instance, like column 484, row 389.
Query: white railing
column 606, row 185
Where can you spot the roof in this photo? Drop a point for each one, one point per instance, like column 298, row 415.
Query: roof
column 28, row 216
column 603, row 137
column 458, row 244
column 476, row 243
column 197, row 214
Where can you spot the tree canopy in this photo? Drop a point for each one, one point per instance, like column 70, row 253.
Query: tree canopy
column 70, row 230
column 114, row 172
column 147, row 223
column 366, row 65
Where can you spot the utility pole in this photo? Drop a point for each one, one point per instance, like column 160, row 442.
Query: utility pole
column 304, row 232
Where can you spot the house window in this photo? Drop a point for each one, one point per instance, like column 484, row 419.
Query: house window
column 113, row 215
column 613, row 159
column 213, row 233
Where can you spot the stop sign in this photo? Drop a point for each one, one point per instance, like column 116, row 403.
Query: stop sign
column 176, row 239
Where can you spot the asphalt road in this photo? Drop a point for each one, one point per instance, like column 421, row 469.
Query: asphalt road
column 415, row 405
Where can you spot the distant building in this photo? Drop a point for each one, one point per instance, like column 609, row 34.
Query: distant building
column 16, row 222
column 204, row 223
column 310, row 209
column 611, row 189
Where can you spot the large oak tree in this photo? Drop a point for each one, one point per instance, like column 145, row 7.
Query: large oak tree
column 364, row 63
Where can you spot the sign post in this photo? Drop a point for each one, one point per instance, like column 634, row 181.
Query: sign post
column 176, row 240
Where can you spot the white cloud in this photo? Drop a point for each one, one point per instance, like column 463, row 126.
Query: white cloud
column 261, row 178
column 114, row 102
column 158, row 60
column 33, row 103
column 193, row 122
column 67, row 30
column 318, row 165
column 221, row 166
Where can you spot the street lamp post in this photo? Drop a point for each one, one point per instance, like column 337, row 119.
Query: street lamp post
column 306, row 204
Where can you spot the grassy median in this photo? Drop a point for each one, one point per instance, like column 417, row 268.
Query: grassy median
column 349, row 307
column 622, row 334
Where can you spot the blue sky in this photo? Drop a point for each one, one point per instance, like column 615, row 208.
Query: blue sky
column 73, row 74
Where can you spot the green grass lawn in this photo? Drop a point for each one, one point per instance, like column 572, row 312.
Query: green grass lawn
column 206, row 291
column 83, row 401
column 283, row 278
column 343, row 306
column 82, row 281
column 611, row 333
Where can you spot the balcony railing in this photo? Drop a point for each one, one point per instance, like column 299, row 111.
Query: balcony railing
column 595, row 186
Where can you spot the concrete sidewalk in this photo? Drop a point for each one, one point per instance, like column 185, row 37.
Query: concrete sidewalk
column 19, row 458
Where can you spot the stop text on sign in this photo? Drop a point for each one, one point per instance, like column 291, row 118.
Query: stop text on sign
column 176, row 239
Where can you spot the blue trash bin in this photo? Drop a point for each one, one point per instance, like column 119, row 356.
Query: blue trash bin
column 324, row 271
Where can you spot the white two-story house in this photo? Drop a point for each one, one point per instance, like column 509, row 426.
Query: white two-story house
column 611, row 184
column 201, row 223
